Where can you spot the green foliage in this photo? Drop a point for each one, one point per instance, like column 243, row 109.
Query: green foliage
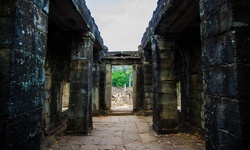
column 121, row 75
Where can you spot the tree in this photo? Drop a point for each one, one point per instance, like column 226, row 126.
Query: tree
column 121, row 75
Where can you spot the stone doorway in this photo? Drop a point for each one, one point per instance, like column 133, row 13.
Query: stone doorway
column 122, row 88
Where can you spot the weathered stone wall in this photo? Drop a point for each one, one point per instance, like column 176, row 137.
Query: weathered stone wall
column 225, row 51
column 23, row 41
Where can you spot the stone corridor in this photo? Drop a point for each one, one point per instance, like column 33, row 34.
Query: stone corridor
column 123, row 133
column 190, row 73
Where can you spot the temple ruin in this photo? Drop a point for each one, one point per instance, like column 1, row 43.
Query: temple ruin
column 191, row 71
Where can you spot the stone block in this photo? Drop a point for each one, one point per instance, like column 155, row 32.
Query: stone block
column 165, row 64
column 167, row 110
column 198, row 104
column 229, row 141
column 196, row 87
column 211, row 122
column 78, row 125
column 147, row 101
column 168, row 87
column 147, row 94
column 24, row 130
column 231, row 113
column 147, row 88
column 39, row 43
column 208, row 7
column 167, row 55
column 193, row 78
column 79, row 64
column 166, row 75
column 163, row 44
column 29, row 14
column 219, row 21
column 195, row 121
column 148, row 76
column 219, row 51
column 221, row 81
column 27, row 86
column 166, row 125
column 195, row 113
column 166, row 99
column 79, row 77
column 221, row 114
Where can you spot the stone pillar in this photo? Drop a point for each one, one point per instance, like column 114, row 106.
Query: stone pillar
column 146, row 101
column 108, row 88
column 96, row 83
column 102, row 81
column 164, row 93
column 80, row 105
column 135, row 85
column 225, row 36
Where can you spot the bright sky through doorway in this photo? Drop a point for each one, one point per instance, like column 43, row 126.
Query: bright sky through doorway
column 122, row 22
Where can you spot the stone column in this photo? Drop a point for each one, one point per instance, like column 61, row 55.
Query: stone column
column 164, row 94
column 102, row 80
column 146, row 102
column 108, row 88
column 135, row 85
column 96, row 81
column 80, row 105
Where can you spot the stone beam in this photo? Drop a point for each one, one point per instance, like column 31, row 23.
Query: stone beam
column 122, row 60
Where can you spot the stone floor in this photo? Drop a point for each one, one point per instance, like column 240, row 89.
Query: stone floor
column 123, row 133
